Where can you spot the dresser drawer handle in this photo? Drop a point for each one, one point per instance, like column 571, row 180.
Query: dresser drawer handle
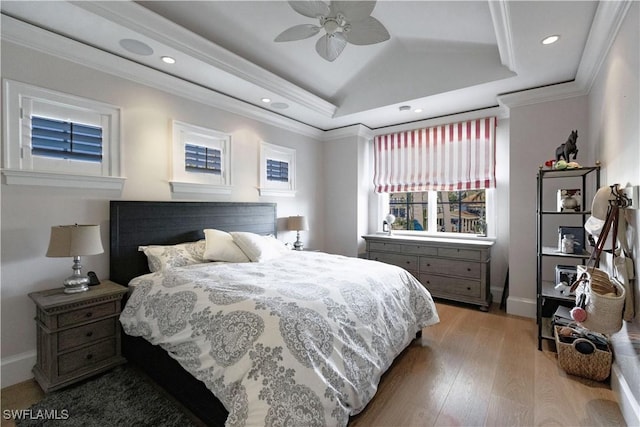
column 468, row 288
column 89, row 314
column 89, row 334
column 408, row 262
column 89, row 356
column 468, row 269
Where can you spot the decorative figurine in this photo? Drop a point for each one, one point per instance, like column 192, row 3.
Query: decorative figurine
column 568, row 148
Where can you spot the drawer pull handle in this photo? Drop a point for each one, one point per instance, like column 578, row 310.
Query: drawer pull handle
column 89, row 334
column 428, row 265
column 89, row 356
column 468, row 269
column 408, row 262
column 468, row 288
column 89, row 314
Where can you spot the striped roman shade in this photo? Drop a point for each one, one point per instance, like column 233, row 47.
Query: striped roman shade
column 457, row 156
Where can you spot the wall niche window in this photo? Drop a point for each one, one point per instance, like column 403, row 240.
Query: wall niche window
column 56, row 139
column 201, row 159
column 277, row 170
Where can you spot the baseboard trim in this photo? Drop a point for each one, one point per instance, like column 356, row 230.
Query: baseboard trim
column 627, row 402
column 17, row 368
column 524, row 307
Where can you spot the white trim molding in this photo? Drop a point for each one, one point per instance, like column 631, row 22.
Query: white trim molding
column 17, row 368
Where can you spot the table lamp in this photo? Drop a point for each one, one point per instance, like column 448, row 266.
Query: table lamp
column 297, row 223
column 75, row 241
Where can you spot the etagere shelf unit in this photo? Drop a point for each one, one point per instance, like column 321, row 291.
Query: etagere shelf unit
column 586, row 179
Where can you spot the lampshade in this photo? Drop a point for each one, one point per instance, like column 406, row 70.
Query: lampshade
column 74, row 240
column 297, row 223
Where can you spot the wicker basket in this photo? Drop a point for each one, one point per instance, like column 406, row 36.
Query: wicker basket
column 594, row 366
column 604, row 310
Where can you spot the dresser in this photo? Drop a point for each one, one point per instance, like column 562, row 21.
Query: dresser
column 78, row 335
column 452, row 269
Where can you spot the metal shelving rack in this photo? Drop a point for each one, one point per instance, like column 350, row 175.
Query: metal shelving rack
column 548, row 298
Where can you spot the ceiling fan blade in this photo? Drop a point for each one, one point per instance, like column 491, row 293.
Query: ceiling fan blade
column 312, row 9
column 297, row 32
column 330, row 46
column 353, row 10
column 366, row 31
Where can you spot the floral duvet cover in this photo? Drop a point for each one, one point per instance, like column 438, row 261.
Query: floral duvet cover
column 301, row 340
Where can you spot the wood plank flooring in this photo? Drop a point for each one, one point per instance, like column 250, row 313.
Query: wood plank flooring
column 472, row 369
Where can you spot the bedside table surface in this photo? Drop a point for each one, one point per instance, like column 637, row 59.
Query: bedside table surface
column 56, row 297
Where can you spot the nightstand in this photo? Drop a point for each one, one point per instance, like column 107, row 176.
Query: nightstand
column 78, row 334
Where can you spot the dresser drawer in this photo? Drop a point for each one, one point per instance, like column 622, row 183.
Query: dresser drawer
column 418, row 249
column 405, row 261
column 85, row 314
column 450, row 267
column 86, row 357
column 442, row 286
column 384, row 247
column 86, row 334
column 470, row 254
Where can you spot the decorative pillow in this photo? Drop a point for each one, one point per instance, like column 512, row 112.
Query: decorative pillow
column 259, row 248
column 221, row 247
column 163, row 257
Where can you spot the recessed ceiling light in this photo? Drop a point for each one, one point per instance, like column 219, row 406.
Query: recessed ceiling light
column 136, row 46
column 550, row 39
column 405, row 107
column 168, row 60
column 266, row 100
column 418, row 110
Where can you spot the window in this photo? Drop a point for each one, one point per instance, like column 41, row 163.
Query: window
column 277, row 170
column 201, row 160
column 438, row 179
column 60, row 139
column 456, row 211
column 56, row 139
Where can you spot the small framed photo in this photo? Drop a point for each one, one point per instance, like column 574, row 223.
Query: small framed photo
column 569, row 200
column 566, row 273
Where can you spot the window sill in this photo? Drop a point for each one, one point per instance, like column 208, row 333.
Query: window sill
column 445, row 237
column 194, row 188
column 52, row 179
column 277, row 193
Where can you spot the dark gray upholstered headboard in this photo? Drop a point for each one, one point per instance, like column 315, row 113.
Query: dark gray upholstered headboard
column 166, row 223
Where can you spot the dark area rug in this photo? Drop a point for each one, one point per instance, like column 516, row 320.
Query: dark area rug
column 121, row 397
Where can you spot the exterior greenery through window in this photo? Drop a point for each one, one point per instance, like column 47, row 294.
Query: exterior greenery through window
column 457, row 211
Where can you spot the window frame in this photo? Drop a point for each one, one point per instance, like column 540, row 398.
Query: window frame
column 282, row 154
column 20, row 102
column 184, row 180
column 432, row 211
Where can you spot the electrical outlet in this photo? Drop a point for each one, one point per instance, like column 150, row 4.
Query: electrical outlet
column 633, row 194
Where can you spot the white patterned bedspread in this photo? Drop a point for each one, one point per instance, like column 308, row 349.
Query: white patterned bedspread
column 301, row 340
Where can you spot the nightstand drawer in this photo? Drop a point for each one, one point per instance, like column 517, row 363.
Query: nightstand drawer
column 86, row 357
column 387, row 247
column 86, row 314
column 86, row 334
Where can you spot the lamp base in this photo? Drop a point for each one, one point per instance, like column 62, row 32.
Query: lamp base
column 76, row 282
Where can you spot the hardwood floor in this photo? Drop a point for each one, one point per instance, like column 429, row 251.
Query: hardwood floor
column 472, row 369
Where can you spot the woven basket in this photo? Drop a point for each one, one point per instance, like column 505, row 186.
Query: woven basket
column 595, row 366
column 605, row 301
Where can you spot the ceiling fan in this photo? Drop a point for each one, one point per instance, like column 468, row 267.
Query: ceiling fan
column 343, row 22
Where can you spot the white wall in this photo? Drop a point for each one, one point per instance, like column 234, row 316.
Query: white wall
column 535, row 132
column 614, row 129
column 28, row 212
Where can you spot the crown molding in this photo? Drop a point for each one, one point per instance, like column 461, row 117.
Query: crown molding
column 502, row 24
column 29, row 36
column 606, row 24
column 542, row 94
column 137, row 18
column 358, row 130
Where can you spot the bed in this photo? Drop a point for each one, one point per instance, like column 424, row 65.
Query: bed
column 300, row 338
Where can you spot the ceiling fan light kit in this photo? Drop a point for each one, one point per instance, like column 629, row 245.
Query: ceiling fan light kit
column 343, row 22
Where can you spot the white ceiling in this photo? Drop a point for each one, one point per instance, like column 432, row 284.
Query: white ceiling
column 444, row 57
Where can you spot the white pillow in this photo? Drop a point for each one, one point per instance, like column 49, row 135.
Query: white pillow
column 221, row 247
column 161, row 257
column 259, row 248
